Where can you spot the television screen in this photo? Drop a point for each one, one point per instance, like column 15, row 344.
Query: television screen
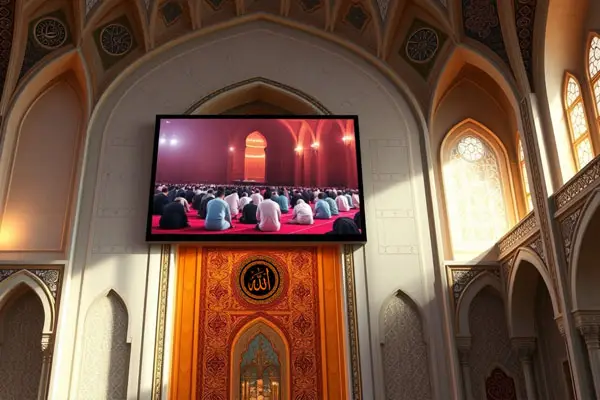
column 256, row 178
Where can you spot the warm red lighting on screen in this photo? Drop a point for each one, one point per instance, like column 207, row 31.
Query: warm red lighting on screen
column 315, row 145
column 232, row 149
column 298, row 149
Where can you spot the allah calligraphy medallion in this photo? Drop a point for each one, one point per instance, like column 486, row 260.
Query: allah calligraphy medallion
column 260, row 281
column 50, row 33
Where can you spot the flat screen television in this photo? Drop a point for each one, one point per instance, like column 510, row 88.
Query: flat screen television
column 259, row 178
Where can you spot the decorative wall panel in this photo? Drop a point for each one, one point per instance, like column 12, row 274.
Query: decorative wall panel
column 297, row 308
column 45, row 35
column 105, row 359
column 524, row 21
column 114, row 41
column 481, row 22
column 421, row 46
column 405, row 355
column 21, row 322
column 224, row 310
column 7, row 20
column 491, row 347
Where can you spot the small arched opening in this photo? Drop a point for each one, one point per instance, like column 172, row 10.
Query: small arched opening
column 255, row 157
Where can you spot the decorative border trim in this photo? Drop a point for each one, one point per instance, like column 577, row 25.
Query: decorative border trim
column 460, row 276
column 352, row 322
column 518, row 235
column 579, row 186
column 161, row 321
column 314, row 102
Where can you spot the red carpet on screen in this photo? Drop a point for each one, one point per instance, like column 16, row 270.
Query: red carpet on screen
column 320, row 227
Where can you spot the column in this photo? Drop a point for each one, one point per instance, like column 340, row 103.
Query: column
column 589, row 327
column 553, row 250
column 525, row 348
column 47, row 346
column 463, row 345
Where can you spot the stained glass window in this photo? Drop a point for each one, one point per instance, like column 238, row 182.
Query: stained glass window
column 594, row 71
column 475, row 196
column 583, row 150
column 525, row 179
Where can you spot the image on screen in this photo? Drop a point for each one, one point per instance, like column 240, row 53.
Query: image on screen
column 256, row 179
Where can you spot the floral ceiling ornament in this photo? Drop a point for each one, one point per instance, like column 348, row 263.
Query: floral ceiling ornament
column 481, row 17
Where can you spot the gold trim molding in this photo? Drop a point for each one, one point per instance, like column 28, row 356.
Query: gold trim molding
column 352, row 322
column 161, row 321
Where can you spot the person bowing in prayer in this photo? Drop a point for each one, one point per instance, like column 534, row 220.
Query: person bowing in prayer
column 174, row 215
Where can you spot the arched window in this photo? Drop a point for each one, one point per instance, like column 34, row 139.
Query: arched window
column 594, row 71
column 581, row 142
column 524, row 178
column 477, row 189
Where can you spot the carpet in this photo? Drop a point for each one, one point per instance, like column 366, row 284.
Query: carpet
column 320, row 226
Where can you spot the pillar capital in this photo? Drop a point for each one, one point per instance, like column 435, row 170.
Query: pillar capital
column 463, row 345
column 588, row 324
column 525, row 347
column 47, row 345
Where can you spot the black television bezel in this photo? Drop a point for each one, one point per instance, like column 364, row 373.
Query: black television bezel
column 245, row 238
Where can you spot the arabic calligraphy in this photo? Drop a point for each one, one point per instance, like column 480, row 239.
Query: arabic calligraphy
column 116, row 39
column 259, row 280
column 50, row 33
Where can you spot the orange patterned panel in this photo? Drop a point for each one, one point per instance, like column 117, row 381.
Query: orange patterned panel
column 212, row 311
column 223, row 312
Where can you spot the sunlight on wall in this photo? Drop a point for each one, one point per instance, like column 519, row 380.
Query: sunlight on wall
column 524, row 177
column 475, row 199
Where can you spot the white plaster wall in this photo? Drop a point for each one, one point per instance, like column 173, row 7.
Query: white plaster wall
column 109, row 235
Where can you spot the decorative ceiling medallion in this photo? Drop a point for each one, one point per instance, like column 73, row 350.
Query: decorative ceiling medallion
column 50, row 33
column 116, row 39
column 422, row 45
column 260, row 281
column 357, row 16
column 310, row 5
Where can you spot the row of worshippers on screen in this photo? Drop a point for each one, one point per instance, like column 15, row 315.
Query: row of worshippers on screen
column 261, row 207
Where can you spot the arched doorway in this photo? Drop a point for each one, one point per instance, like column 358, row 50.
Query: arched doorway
column 255, row 157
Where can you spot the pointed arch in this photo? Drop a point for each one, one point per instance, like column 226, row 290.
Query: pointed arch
column 593, row 70
column 105, row 360
column 258, row 88
column 404, row 343
column 577, row 122
column 463, row 306
column 583, row 275
column 279, row 344
column 472, row 156
column 25, row 278
column 527, row 269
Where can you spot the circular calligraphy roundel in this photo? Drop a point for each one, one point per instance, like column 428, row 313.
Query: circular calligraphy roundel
column 260, row 281
column 50, row 33
column 116, row 39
